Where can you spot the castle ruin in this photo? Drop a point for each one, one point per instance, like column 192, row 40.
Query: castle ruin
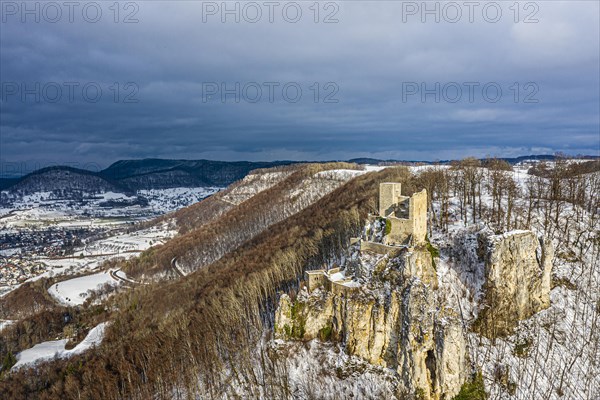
column 405, row 226
column 332, row 280
column 407, row 215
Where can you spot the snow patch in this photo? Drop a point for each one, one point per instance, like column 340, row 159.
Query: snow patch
column 56, row 349
column 74, row 292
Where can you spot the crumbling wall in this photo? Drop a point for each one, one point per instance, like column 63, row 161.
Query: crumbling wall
column 315, row 279
column 389, row 194
column 418, row 216
column 413, row 228
column 376, row 248
column 401, row 231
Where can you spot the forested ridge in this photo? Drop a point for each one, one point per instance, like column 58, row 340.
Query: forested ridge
column 182, row 335
column 222, row 226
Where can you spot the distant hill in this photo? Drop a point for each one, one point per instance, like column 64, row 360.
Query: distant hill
column 127, row 176
column 538, row 157
column 64, row 180
column 510, row 160
column 158, row 173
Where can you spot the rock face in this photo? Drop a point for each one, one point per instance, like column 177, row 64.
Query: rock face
column 518, row 268
column 395, row 323
column 398, row 319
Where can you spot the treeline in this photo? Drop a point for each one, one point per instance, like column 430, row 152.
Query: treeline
column 193, row 336
column 564, row 168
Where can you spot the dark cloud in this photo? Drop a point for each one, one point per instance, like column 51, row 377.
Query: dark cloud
column 362, row 65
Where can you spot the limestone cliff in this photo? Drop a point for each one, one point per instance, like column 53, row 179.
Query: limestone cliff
column 394, row 322
column 399, row 319
column 518, row 268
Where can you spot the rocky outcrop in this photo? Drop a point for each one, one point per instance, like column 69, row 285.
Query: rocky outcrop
column 518, row 268
column 396, row 322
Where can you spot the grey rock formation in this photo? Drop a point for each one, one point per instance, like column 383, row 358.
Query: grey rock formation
column 518, row 268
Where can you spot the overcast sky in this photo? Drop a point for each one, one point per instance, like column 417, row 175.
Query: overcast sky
column 378, row 79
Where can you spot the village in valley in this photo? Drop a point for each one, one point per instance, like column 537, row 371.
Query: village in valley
column 43, row 234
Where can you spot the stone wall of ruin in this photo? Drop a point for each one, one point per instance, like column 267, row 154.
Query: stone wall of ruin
column 389, row 193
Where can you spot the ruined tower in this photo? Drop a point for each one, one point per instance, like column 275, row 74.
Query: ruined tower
column 407, row 215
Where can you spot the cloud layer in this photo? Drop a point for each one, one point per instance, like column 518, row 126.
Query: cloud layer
column 385, row 80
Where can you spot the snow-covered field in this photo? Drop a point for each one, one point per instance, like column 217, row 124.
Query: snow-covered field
column 56, row 348
column 133, row 242
column 161, row 201
column 91, row 256
column 41, row 230
column 74, row 292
